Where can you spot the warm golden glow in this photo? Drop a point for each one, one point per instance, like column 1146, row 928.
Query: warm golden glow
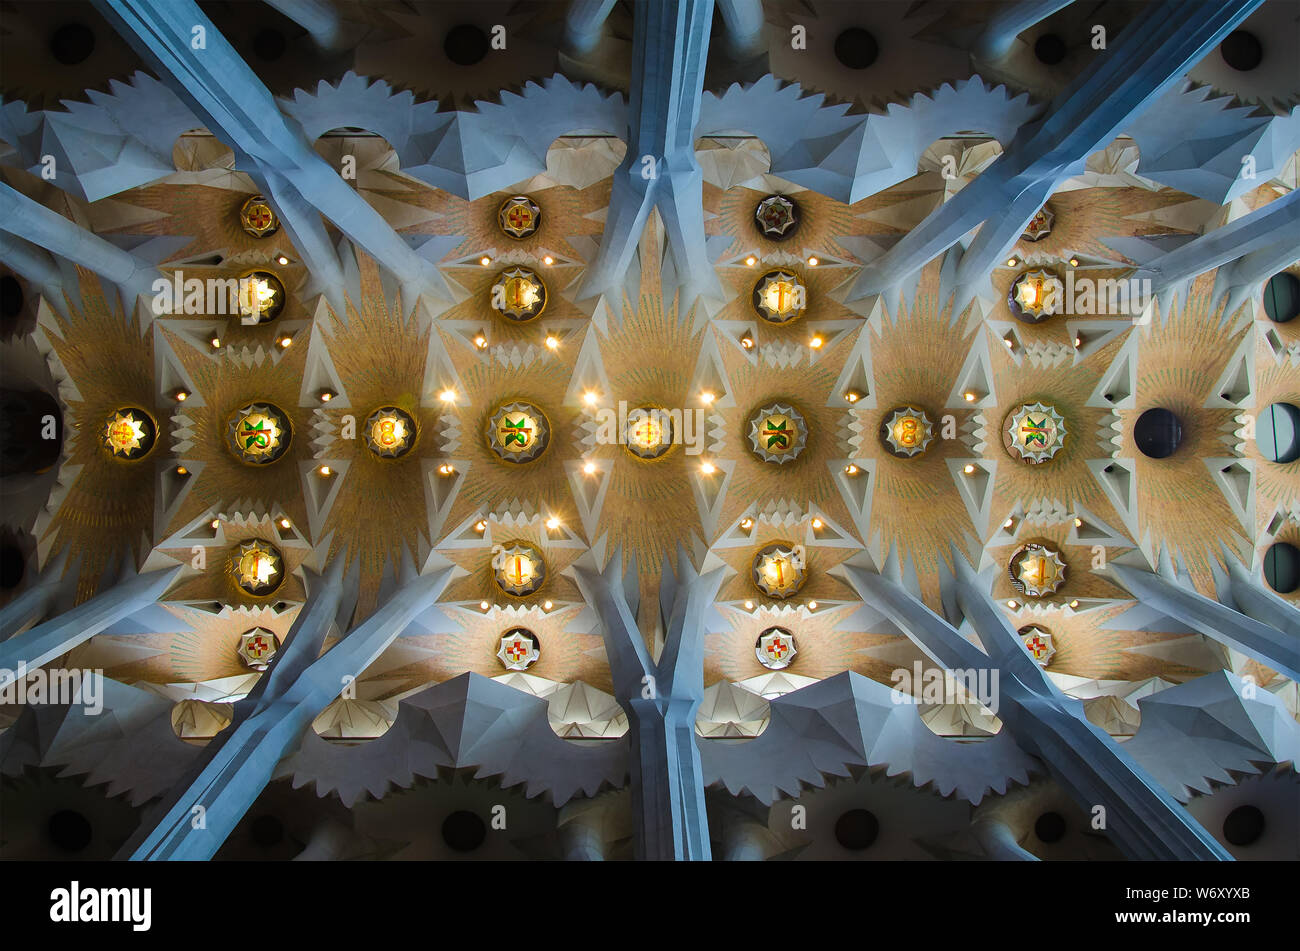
column 127, row 433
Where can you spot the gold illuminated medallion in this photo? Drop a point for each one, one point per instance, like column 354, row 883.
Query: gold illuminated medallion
column 390, row 432
column 257, row 567
column 518, row 569
column 517, row 432
column 257, row 218
column 1038, row 642
column 775, row 648
column 519, row 217
column 779, row 570
column 260, row 297
column 257, row 647
column 1035, row 432
column 258, row 434
column 907, row 432
column 777, row 433
column 519, row 649
column 780, row 297
column 129, row 434
column 649, row 432
column 1036, row 295
column 1036, row 570
column 518, row 294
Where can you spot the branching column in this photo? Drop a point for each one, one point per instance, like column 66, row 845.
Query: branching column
column 661, row 700
column 1145, row 821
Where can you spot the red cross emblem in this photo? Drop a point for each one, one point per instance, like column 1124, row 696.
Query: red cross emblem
column 776, row 648
column 259, row 216
column 517, row 650
column 1037, row 646
column 520, row 217
column 258, row 646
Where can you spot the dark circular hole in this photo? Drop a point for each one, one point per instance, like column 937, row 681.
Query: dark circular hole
column 69, row 830
column 857, row 829
column 72, row 43
column 1277, row 433
column 1157, row 433
column 269, row 44
column 1242, row 51
column 12, row 566
column 1049, row 49
column 856, row 48
column 1050, row 827
column 465, row 45
column 266, row 831
column 463, row 831
column 11, row 297
column 1282, row 567
column 1282, row 297
column 1243, row 826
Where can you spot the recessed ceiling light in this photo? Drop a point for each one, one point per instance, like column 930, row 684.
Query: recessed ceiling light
column 707, row 468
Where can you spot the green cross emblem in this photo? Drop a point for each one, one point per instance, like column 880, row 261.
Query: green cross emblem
column 517, row 431
column 1035, row 431
column 256, row 436
column 777, row 435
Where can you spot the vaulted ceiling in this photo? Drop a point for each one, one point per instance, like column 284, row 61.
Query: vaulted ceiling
column 360, row 163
